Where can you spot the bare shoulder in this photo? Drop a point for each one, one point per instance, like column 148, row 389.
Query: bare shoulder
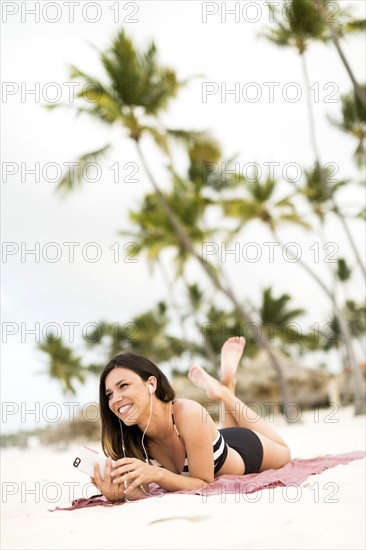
column 189, row 413
column 187, row 407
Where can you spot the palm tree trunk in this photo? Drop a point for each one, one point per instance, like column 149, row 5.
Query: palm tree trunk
column 175, row 305
column 360, row 93
column 310, row 108
column 334, row 283
column 207, row 344
column 360, row 405
column 212, row 274
column 208, row 347
column 347, row 231
column 317, row 158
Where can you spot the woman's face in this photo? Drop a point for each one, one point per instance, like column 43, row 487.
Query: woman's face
column 127, row 394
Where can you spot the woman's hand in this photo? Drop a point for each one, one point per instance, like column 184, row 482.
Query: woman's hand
column 132, row 472
column 111, row 491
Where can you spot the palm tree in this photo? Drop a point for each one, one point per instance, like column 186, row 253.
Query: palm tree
column 360, row 404
column 257, row 205
column 153, row 234
column 63, row 365
column 196, row 299
column 153, row 231
column 356, row 318
column 225, row 324
column 355, row 315
column 152, row 339
column 136, row 112
column 307, row 21
column 215, row 325
column 353, row 123
column 145, row 335
column 276, row 317
column 260, row 204
column 320, row 192
column 297, row 27
column 186, row 249
column 304, row 22
column 349, row 26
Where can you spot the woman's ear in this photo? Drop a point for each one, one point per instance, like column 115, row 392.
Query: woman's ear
column 152, row 385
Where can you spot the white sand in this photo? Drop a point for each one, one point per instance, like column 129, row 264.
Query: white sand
column 327, row 511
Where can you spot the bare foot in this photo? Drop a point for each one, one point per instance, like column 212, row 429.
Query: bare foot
column 231, row 353
column 203, row 380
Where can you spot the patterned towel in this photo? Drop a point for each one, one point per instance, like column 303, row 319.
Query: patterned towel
column 293, row 474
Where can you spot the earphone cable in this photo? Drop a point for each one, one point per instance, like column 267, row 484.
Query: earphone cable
column 143, row 446
column 143, row 435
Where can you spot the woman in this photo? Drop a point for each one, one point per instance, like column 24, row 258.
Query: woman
column 161, row 438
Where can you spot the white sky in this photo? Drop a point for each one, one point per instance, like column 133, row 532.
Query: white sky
column 38, row 53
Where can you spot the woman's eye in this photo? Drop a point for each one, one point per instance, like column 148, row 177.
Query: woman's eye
column 110, row 395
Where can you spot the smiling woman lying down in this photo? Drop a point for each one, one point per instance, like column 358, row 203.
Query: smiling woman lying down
column 151, row 437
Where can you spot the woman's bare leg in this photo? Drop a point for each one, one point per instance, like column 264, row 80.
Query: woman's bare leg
column 234, row 412
column 231, row 353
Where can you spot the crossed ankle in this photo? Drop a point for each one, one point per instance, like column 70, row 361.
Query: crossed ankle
column 230, row 384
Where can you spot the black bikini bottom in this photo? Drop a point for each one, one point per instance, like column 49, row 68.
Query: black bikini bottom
column 247, row 444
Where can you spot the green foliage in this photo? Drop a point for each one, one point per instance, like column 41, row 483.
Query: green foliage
column 136, row 78
column 274, row 311
column 355, row 317
column 136, row 89
column 301, row 22
column 133, row 79
column 153, row 231
column 353, row 123
column 356, row 25
column 74, row 176
column 298, row 24
column 63, row 365
column 134, row 93
column 278, row 321
column 147, row 334
column 196, row 296
column 343, row 271
column 319, row 188
column 257, row 202
column 221, row 324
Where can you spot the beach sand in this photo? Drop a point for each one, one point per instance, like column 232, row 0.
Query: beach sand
column 326, row 512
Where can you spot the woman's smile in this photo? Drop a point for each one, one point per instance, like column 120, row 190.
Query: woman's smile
column 124, row 409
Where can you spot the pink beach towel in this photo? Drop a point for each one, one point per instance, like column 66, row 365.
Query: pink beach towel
column 293, row 474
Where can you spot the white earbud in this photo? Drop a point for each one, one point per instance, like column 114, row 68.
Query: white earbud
column 150, row 388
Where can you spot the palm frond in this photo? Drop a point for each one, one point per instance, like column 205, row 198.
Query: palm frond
column 355, row 25
column 75, row 175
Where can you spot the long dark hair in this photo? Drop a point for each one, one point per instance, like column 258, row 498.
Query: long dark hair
column 111, row 433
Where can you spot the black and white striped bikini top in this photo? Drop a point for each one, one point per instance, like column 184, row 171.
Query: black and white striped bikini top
column 219, row 450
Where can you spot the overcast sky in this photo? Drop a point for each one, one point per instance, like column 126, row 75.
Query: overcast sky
column 194, row 38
